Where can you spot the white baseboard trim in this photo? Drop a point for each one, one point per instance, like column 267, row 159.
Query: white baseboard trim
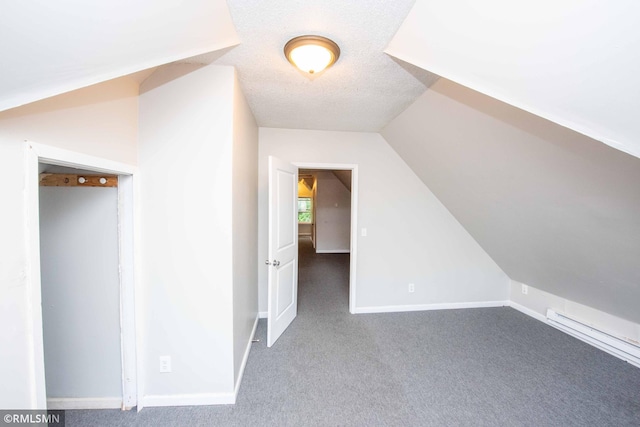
column 528, row 311
column 205, row 398
column 199, row 399
column 263, row 314
column 244, row 360
column 426, row 307
column 63, row 403
column 333, row 251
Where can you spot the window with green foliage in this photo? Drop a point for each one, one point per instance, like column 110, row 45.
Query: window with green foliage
column 305, row 212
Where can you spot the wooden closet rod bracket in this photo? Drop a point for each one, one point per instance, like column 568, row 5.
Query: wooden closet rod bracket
column 70, row 180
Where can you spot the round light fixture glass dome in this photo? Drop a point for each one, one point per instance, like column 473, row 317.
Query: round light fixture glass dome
column 311, row 54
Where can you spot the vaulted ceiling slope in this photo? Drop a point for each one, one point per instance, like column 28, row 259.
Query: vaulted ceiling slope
column 575, row 63
column 363, row 91
column 48, row 47
column 555, row 209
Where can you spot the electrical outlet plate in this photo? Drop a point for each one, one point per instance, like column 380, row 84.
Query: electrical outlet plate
column 412, row 288
column 525, row 289
column 165, row 364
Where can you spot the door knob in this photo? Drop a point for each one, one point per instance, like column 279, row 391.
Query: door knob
column 266, row 261
column 276, row 263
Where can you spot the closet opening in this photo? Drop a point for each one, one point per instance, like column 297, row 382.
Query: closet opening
column 86, row 282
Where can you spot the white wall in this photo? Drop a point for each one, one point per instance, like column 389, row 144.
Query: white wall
column 51, row 48
column 187, row 132
column 571, row 62
column 80, row 292
column 100, row 120
column 554, row 209
column 333, row 214
column 185, row 161
column 411, row 238
column 245, row 226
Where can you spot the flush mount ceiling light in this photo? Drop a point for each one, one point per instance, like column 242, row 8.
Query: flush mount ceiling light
column 311, row 54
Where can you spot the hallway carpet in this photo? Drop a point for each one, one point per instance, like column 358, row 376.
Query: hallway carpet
column 472, row 367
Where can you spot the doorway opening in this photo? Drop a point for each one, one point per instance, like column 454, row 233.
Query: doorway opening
column 282, row 261
column 82, row 280
column 80, row 287
column 332, row 184
column 324, row 238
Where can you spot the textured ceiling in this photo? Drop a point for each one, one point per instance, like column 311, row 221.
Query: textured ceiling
column 363, row 91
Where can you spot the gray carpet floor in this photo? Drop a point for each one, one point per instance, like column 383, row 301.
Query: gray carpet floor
column 472, row 367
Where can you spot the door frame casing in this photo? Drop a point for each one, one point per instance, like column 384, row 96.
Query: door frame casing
column 128, row 238
column 353, row 249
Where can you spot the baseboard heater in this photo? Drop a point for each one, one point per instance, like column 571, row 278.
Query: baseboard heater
column 602, row 340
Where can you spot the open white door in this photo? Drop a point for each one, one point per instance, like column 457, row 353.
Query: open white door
column 283, row 248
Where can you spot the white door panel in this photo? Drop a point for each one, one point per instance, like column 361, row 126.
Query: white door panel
column 283, row 248
column 286, row 291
